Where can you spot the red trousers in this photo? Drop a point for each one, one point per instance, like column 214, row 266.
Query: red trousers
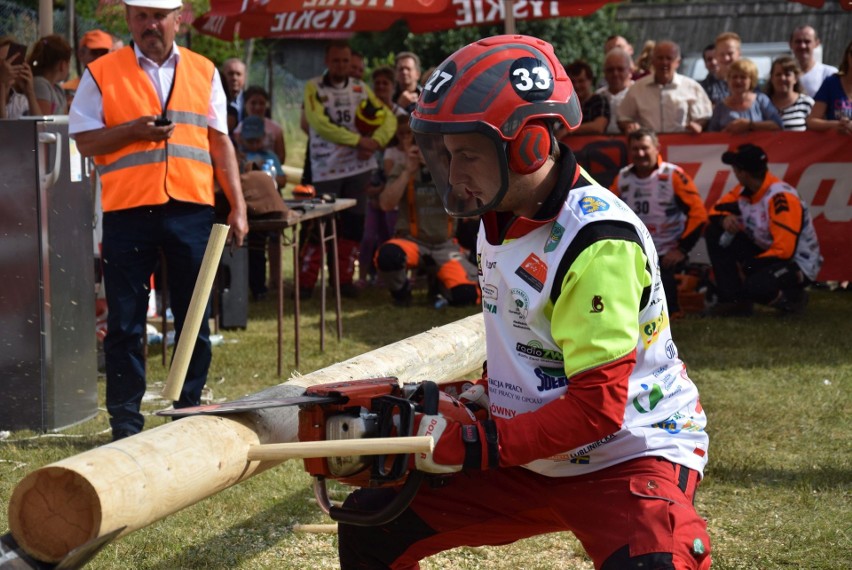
column 638, row 514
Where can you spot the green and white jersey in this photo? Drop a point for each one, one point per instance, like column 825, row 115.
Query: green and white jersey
column 332, row 113
column 548, row 320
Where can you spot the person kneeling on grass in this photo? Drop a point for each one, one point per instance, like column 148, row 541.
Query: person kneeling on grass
column 592, row 424
column 424, row 231
column 760, row 240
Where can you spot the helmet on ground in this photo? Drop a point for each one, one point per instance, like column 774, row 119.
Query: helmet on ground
column 513, row 90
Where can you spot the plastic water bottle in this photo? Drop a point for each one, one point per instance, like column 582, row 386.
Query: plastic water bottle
column 726, row 238
column 269, row 167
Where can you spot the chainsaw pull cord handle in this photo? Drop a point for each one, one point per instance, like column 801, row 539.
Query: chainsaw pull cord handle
column 429, row 393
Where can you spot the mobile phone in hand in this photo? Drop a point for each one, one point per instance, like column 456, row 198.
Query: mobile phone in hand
column 17, row 54
column 162, row 122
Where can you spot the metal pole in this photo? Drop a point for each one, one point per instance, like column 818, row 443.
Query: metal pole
column 45, row 17
column 71, row 32
column 509, row 17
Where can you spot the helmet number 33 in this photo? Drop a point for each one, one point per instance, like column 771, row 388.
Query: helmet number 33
column 527, row 79
column 532, row 79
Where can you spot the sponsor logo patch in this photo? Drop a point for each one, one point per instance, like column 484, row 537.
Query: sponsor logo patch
column 591, row 204
column 597, row 304
column 654, row 396
column 533, row 271
column 534, row 349
column 556, row 233
column 651, row 330
column 489, row 291
column 520, row 308
column 550, row 379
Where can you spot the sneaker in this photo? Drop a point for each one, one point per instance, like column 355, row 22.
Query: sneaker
column 789, row 306
column 349, row 290
column 402, row 297
column 730, row 309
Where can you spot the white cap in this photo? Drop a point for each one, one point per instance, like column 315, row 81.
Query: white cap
column 162, row 4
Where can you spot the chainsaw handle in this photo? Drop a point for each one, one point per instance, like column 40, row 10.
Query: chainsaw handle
column 383, row 516
column 424, row 400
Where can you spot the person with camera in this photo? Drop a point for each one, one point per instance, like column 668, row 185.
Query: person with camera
column 17, row 89
column 423, row 238
column 593, row 425
column 153, row 117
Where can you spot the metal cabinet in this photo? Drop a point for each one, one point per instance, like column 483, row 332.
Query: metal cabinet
column 48, row 351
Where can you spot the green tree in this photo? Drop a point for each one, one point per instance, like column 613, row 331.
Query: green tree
column 572, row 38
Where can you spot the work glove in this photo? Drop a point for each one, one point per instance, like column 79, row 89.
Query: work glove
column 457, row 445
column 475, row 399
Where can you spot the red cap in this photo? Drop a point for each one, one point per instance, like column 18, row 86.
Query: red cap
column 96, row 39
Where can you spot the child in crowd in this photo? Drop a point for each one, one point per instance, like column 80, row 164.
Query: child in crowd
column 260, row 143
column 255, row 151
column 257, row 105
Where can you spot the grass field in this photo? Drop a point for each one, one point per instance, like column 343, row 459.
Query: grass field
column 776, row 492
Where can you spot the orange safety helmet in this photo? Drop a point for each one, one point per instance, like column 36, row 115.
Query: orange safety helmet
column 510, row 88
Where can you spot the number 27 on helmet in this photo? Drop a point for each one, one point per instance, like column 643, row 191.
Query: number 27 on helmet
column 510, row 89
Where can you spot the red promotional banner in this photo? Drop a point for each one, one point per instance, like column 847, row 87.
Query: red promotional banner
column 299, row 24
column 818, row 165
column 463, row 13
column 413, row 6
column 322, row 18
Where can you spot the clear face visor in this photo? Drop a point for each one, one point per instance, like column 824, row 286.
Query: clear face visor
column 469, row 169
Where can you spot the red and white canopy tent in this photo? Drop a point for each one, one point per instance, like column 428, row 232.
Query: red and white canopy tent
column 262, row 18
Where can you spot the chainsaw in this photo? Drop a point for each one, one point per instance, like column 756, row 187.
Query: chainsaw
column 356, row 410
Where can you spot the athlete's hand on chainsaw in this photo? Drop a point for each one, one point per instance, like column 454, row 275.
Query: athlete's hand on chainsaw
column 475, row 399
column 457, row 445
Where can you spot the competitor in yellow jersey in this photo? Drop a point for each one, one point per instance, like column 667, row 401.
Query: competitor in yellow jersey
column 347, row 125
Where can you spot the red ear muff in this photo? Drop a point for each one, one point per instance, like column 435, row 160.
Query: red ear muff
column 528, row 151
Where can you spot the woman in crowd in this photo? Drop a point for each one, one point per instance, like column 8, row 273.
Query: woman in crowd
column 644, row 61
column 378, row 224
column 595, row 107
column 50, row 60
column 256, row 104
column 786, row 93
column 260, row 139
column 744, row 110
column 833, row 101
column 17, row 94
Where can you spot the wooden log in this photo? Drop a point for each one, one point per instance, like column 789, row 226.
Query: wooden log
column 316, row 528
column 136, row 481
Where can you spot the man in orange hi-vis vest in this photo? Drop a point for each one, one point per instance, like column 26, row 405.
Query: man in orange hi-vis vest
column 153, row 117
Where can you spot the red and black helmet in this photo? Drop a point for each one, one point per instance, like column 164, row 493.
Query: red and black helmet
column 497, row 87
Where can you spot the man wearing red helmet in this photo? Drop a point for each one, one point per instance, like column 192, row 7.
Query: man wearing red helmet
column 594, row 426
